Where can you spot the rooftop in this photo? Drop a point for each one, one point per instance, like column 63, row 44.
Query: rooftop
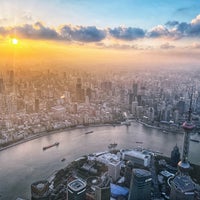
column 137, row 154
column 117, row 190
column 76, row 185
column 109, row 158
column 40, row 184
column 141, row 173
column 184, row 183
column 166, row 174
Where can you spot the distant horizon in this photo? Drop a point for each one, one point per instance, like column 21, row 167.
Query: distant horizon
column 92, row 33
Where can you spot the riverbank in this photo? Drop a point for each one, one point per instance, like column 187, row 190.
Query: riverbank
column 45, row 133
column 163, row 129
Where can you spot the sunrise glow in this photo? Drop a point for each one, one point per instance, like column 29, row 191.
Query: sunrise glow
column 121, row 37
column 14, row 41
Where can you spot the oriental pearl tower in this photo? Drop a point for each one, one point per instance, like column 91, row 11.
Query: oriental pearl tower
column 184, row 165
column 182, row 186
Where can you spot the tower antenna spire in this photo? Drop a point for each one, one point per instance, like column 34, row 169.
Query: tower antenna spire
column 190, row 108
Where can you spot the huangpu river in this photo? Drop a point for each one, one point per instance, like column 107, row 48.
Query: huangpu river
column 25, row 163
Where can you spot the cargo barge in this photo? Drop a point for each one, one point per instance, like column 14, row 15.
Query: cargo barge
column 52, row 145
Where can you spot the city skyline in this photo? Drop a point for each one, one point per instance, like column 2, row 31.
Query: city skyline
column 124, row 33
column 100, row 100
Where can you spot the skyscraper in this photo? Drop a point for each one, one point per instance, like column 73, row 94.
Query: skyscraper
column 182, row 186
column 140, row 188
column 102, row 193
column 11, row 77
column 135, row 89
column 128, row 173
column 80, row 97
column 100, row 186
column 1, row 86
column 184, row 165
column 114, row 169
column 37, row 105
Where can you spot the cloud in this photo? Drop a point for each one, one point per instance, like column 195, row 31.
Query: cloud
column 158, row 31
column 171, row 30
column 36, row 31
column 167, row 46
column 184, row 10
column 196, row 20
column 123, row 46
column 88, row 34
column 82, row 34
column 172, row 23
column 184, row 29
column 117, row 46
column 194, row 29
column 67, row 32
column 187, row 10
column 129, row 33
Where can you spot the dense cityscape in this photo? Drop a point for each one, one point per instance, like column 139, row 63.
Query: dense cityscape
column 48, row 101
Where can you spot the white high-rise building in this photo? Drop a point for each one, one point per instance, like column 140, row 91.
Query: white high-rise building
column 114, row 169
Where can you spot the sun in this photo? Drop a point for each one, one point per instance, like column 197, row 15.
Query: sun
column 14, row 41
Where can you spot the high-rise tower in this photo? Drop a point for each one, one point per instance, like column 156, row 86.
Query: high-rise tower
column 182, row 186
column 140, row 188
column 79, row 91
column 184, row 165
column 1, row 85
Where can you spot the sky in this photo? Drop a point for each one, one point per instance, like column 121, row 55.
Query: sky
column 126, row 32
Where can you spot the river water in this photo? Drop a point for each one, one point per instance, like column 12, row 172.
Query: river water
column 27, row 162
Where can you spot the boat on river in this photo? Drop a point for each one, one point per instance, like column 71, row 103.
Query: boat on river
column 194, row 140
column 89, row 132
column 52, row 145
column 112, row 145
column 127, row 123
column 138, row 142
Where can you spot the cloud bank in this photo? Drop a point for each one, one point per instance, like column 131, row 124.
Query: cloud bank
column 171, row 30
